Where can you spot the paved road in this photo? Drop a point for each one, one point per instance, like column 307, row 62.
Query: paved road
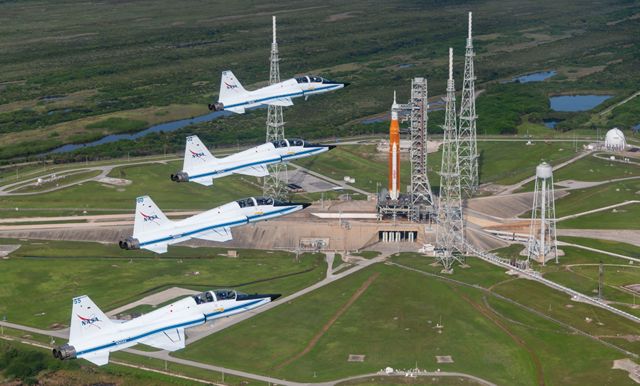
column 607, row 157
column 57, row 333
column 610, row 108
column 619, row 235
column 599, row 251
column 91, row 218
column 514, row 187
column 598, row 210
column 104, row 171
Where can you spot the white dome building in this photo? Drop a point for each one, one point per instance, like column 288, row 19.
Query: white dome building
column 614, row 140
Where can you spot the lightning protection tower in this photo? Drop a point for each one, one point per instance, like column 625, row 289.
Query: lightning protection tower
column 421, row 197
column 450, row 231
column 468, row 146
column 542, row 244
column 275, row 183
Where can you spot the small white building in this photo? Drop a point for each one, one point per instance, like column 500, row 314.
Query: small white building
column 614, row 140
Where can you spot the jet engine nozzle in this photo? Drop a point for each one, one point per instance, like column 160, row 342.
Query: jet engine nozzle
column 129, row 243
column 64, row 352
column 180, row 177
column 216, row 106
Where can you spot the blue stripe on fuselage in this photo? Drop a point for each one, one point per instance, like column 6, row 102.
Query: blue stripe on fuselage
column 295, row 94
column 240, row 167
column 211, row 227
column 180, row 325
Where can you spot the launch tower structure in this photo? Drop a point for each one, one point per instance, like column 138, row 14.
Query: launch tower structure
column 450, row 230
column 421, row 197
column 468, row 149
column 275, row 183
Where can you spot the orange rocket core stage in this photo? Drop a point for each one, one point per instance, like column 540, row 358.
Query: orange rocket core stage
column 394, row 154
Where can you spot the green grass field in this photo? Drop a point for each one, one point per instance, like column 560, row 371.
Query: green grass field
column 148, row 179
column 403, row 307
column 55, row 272
column 595, row 169
column 510, row 162
column 577, row 269
column 624, row 217
column 604, row 245
column 581, row 200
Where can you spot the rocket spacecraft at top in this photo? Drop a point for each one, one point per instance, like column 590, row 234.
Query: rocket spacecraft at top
column 394, row 151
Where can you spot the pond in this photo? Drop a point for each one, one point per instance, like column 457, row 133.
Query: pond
column 551, row 123
column 534, row 77
column 572, row 103
column 162, row 127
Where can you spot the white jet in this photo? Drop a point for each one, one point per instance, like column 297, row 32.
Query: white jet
column 233, row 97
column 201, row 167
column 93, row 336
column 152, row 230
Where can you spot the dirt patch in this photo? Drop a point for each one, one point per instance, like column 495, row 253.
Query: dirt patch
column 331, row 321
column 339, row 16
column 629, row 366
column 633, row 287
column 574, row 73
column 356, row 358
column 6, row 249
column 115, row 181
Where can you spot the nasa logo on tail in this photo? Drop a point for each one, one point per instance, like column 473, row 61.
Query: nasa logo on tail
column 230, row 86
column 89, row 321
column 147, row 217
column 196, row 155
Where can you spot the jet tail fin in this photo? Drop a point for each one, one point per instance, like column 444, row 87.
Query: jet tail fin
column 148, row 216
column 230, row 88
column 196, row 154
column 87, row 319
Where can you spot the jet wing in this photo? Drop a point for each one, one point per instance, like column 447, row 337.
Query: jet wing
column 208, row 181
column 157, row 248
column 254, row 171
column 170, row 340
column 219, row 235
column 281, row 102
column 99, row 358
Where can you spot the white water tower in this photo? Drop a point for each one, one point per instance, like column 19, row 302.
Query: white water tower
column 542, row 245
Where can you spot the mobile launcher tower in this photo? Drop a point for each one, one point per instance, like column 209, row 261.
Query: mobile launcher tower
column 542, row 245
column 417, row 204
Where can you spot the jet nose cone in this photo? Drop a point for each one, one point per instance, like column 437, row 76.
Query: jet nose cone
column 305, row 205
column 329, row 147
column 346, row 84
column 274, row 297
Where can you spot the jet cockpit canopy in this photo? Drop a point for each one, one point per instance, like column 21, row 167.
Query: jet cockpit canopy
column 246, row 202
column 280, row 143
column 216, row 295
column 296, row 142
column 314, row 79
